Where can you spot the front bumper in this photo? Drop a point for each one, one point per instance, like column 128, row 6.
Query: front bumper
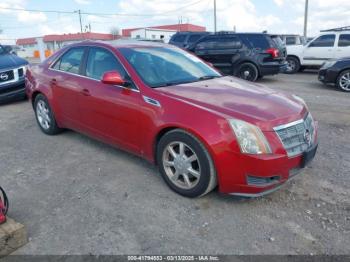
column 292, row 171
column 257, row 175
column 328, row 75
column 13, row 91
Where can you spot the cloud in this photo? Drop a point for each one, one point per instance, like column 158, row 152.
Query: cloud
column 279, row 2
column 323, row 14
column 82, row 2
column 29, row 17
column 230, row 13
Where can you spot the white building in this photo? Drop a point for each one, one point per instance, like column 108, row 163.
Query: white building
column 153, row 34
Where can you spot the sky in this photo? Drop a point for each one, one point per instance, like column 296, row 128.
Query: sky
column 275, row 16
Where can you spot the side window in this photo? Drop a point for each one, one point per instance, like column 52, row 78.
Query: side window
column 344, row 40
column 209, row 43
column 101, row 61
column 194, row 38
column 70, row 61
column 179, row 38
column 323, row 41
column 258, row 41
column 229, row 43
column 291, row 40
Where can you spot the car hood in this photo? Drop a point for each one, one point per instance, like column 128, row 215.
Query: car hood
column 235, row 98
column 11, row 61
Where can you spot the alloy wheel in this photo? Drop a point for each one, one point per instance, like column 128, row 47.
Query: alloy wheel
column 181, row 165
column 43, row 114
column 344, row 81
column 291, row 65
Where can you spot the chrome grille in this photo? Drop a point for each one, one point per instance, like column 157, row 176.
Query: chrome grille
column 297, row 136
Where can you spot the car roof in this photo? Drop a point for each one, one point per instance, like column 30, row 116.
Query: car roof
column 121, row 43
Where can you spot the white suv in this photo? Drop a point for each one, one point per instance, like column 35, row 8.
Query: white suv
column 330, row 44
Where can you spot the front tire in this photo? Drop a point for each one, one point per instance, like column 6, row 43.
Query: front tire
column 44, row 116
column 343, row 81
column 293, row 65
column 248, row 71
column 185, row 164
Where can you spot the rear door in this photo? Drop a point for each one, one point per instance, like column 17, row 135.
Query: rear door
column 343, row 47
column 219, row 51
column 64, row 79
column 193, row 38
column 319, row 50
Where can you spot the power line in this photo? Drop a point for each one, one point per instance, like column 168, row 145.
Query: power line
column 29, row 26
column 102, row 14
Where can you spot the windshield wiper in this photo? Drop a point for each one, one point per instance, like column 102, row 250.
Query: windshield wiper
column 207, row 77
column 172, row 83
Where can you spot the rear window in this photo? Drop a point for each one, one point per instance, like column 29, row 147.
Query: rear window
column 344, row 40
column 258, row 41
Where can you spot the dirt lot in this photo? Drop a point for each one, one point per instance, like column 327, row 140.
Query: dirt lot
column 79, row 196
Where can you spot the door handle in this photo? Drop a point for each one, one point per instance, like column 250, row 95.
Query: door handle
column 85, row 92
column 53, row 81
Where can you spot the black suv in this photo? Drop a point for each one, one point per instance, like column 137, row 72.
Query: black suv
column 12, row 73
column 247, row 55
column 186, row 39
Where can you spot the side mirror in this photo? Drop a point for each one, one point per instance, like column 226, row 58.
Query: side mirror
column 113, row 78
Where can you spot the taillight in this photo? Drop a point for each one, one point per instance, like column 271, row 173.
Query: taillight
column 273, row 52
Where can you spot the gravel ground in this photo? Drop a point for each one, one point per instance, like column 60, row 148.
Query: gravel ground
column 79, row 196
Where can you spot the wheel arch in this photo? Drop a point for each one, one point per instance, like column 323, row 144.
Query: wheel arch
column 295, row 56
column 342, row 71
column 34, row 95
column 339, row 74
column 246, row 61
column 164, row 130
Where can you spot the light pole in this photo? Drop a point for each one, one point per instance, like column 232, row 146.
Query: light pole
column 305, row 17
column 215, row 16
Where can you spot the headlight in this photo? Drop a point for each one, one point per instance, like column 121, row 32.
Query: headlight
column 328, row 64
column 250, row 138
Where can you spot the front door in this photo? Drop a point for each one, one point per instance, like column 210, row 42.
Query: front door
column 319, row 50
column 109, row 112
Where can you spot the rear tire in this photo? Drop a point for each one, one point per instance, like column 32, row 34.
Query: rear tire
column 343, row 81
column 179, row 151
column 45, row 116
column 247, row 71
column 293, row 65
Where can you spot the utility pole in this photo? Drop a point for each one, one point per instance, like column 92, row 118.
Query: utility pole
column 305, row 17
column 81, row 26
column 214, row 16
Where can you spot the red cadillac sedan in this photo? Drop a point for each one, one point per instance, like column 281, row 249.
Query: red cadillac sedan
column 166, row 105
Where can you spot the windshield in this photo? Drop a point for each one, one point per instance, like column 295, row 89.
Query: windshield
column 160, row 66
